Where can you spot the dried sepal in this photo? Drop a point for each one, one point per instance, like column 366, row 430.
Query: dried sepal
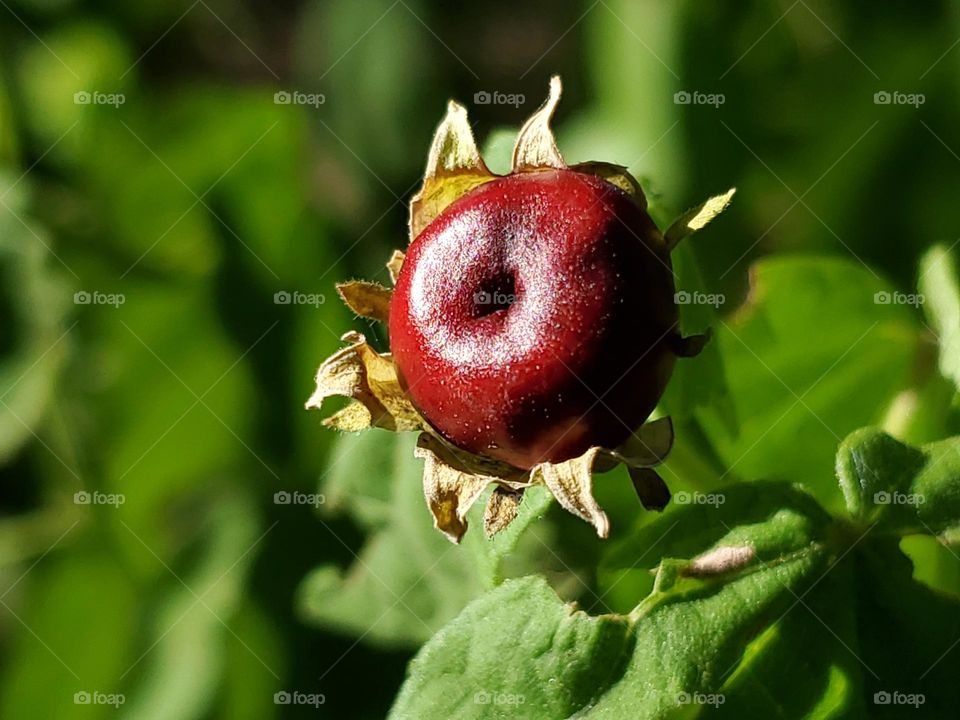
column 454, row 167
column 502, row 509
column 360, row 372
column 450, row 491
column 571, row 483
column 536, row 147
column 468, row 462
column 352, row 418
column 649, row 445
column 366, row 299
column 616, row 175
column 650, row 487
column 696, row 218
column 394, row 264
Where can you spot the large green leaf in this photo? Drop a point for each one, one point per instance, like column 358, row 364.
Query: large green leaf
column 520, row 645
column 763, row 605
column 819, row 349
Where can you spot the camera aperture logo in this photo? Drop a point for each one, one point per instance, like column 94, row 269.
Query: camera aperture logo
column 95, row 297
column 895, row 97
column 500, row 299
column 699, row 498
column 85, row 497
column 684, row 297
column 898, row 698
column 84, row 97
column 296, row 497
column 296, row 297
column 498, row 698
column 295, row 97
column 699, row 698
column 283, row 697
column 695, row 97
column 485, row 97
column 84, row 697
column 898, row 298
column 898, row 498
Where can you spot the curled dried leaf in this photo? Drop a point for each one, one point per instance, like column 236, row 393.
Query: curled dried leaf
column 367, row 299
column 394, row 264
column 454, row 167
column 536, row 147
column 360, row 372
column 696, row 218
column 571, row 483
column 449, row 491
column 502, row 509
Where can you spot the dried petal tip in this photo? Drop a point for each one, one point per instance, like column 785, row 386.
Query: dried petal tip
column 449, row 491
column 366, row 299
column 536, row 147
column 360, row 372
column 571, row 483
column 697, row 218
column 394, row 264
column 454, row 167
column 502, row 509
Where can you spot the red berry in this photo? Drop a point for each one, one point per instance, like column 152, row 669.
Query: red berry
column 534, row 318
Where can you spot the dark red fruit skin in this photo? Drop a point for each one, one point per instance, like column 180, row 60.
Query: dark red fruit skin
column 582, row 355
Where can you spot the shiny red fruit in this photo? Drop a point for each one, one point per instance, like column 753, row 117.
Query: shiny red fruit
column 535, row 318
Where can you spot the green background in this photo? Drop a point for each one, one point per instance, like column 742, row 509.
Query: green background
column 200, row 197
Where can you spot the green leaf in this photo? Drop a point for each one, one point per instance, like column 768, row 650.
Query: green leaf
column 904, row 488
column 940, row 287
column 519, row 645
column 813, row 354
column 763, row 606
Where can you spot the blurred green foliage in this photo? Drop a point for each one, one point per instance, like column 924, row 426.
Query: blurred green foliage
column 199, row 197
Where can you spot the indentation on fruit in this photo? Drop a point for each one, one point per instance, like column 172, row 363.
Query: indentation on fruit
column 494, row 295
